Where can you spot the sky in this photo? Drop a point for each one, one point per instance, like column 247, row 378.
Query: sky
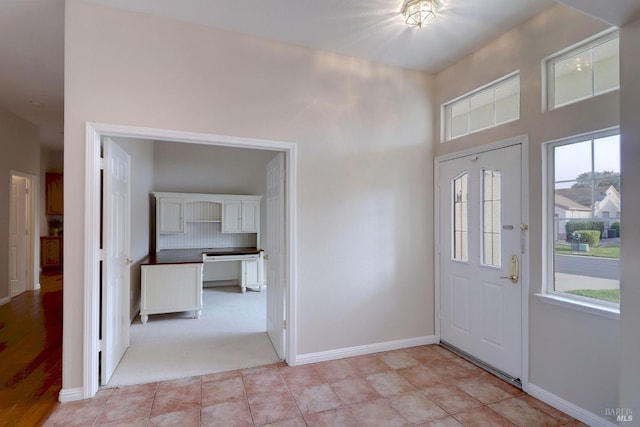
column 573, row 159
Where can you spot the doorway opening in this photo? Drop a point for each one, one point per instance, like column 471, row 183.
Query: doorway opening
column 95, row 134
column 23, row 265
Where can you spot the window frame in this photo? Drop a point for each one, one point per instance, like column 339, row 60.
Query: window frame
column 548, row 68
column 548, row 293
column 445, row 109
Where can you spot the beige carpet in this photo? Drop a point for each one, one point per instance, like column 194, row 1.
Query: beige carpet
column 231, row 334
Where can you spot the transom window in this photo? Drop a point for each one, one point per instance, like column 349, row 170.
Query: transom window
column 584, row 71
column 486, row 107
column 583, row 225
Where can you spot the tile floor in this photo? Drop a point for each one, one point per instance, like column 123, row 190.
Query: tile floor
column 419, row 386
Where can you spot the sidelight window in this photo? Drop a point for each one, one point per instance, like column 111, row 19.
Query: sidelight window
column 491, row 214
column 460, row 228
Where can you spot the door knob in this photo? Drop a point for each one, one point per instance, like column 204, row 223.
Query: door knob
column 266, row 257
column 128, row 261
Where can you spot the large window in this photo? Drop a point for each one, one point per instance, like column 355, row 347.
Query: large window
column 486, row 107
column 589, row 69
column 583, row 217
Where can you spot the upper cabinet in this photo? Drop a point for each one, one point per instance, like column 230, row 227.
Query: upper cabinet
column 241, row 216
column 170, row 215
column 189, row 220
column 54, row 194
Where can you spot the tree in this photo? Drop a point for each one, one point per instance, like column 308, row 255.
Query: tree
column 602, row 179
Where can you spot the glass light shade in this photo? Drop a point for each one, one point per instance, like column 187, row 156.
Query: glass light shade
column 420, row 12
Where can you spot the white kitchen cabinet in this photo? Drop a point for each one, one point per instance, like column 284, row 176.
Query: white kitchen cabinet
column 170, row 288
column 241, row 216
column 170, row 215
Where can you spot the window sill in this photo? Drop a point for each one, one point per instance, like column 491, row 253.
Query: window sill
column 585, row 307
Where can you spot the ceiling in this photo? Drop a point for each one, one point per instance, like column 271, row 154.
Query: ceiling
column 32, row 37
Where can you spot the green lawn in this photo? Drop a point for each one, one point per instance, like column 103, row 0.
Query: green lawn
column 610, row 295
column 601, row 251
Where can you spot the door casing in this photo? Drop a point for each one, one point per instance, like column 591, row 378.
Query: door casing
column 523, row 140
column 94, row 134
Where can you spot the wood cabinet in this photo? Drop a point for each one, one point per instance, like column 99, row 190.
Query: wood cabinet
column 54, row 194
column 51, row 252
column 241, row 216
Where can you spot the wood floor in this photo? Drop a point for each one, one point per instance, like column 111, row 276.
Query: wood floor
column 31, row 354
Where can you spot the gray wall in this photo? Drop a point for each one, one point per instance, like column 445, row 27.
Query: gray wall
column 20, row 148
column 572, row 355
column 364, row 140
column 630, row 292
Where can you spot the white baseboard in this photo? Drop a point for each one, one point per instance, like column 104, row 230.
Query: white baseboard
column 569, row 408
column 36, row 286
column 5, row 300
column 341, row 353
column 70, row 394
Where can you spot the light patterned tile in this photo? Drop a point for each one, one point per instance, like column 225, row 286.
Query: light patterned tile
column 301, row 376
column 367, row 365
column 220, row 391
column 377, row 413
column 389, row 383
column 272, row 407
column 335, row 370
column 450, row 398
column 126, row 406
column 416, row 408
column 482, row 390
column 227, row 414
column 399, row 359
column 138, row 389
column 179, row 383
column 266, row 382
column 135, row 422
column 219, row 376
column 355, row 390
column 421, row 376
column 549, row 410
column 173, row 400
column 483, row 417
column 79, row 413
column 186, row 418
column 522, row 414
column 293, row 422
column 448, row 421
column 316, row 399
column 335, row 418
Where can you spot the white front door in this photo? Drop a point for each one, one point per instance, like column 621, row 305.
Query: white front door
column 480, row 256
column 115, row 271
column 18, row 236
column 275, row 254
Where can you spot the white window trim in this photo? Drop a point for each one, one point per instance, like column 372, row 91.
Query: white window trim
column 548, row 81
column 445, row 119
column 548, row 294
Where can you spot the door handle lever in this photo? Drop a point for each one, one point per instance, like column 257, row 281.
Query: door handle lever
column 513, row 270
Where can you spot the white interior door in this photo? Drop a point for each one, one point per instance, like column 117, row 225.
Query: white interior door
column 18, row 236
column 275, row 254
column 480, row 254
column 115, row 271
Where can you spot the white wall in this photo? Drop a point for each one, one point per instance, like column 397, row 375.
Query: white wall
column 20, row 148
column 364, row 134
column 630, row 291
column 571, row 354
column 142, row 175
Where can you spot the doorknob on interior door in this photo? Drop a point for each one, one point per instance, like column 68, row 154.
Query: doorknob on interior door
column 265, row 257
column 128, row 261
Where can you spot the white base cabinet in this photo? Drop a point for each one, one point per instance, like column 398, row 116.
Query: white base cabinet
column 251, row 275
column 171, row 288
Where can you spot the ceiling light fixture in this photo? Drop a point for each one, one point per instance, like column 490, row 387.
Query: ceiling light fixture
column 420, row 12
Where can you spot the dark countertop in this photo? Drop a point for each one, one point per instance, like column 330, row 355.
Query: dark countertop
column 193, row 256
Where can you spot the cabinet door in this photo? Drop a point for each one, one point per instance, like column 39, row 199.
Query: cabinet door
column 251, row 273
column 53, row 194
column 171, row 216
column 250, row 216
column 232, row 216
column 51, row 252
